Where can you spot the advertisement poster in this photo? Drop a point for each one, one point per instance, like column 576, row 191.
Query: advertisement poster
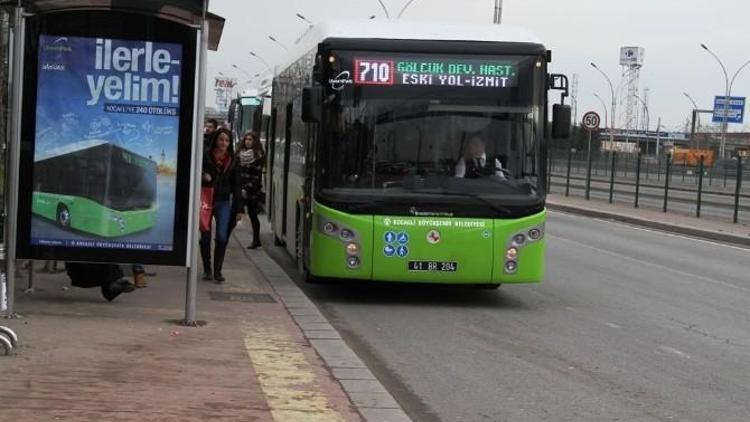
column 106, row 143
column 224, row 89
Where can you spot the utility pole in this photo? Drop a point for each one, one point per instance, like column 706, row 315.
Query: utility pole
column 498, row 12
column 658, row 138
column 574, row 98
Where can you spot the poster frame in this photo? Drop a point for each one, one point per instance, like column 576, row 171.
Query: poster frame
column 120, row 25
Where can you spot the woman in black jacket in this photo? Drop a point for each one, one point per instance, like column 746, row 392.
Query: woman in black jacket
column 252, row 160
column 220, row 171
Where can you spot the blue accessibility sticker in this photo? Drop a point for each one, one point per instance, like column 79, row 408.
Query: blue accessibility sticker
column 389, row 237
column 402, row 251
column 403, row 238
column 389, row 250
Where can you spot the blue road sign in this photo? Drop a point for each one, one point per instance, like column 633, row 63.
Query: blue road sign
column 389, row 237
column 389, row 250
column 403, row 238
column 735, row 111
column 402, row 251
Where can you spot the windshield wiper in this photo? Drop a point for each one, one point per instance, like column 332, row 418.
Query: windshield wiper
column 483, row 201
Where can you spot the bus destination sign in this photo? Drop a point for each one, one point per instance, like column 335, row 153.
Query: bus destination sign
column 426, row 71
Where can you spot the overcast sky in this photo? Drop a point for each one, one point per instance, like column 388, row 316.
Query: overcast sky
column 577, row 31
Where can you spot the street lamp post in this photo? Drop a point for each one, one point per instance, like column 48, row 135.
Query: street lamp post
column 728, row 85
column 604, row 106
column 614, row 106
column 695, row 116
column 648, row 118
column 242, row 70
column 695, row 107
column 307, row 21
column 265, row 63
column 403, row 9
column 385, row 9
column 270, row 37
column 648, row 115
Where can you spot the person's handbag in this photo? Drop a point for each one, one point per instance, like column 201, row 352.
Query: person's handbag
column 207, row 208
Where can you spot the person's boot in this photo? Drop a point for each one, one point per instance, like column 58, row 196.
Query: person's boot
column 139, row 280
column 206, row 257
column 256, row 235
column 115, row 288
column 219, row 251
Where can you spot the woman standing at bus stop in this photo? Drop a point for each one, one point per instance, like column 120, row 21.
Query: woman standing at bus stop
column 221, row 179
column 252, row 159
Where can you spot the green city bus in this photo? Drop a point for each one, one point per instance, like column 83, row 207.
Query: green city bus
column 97, row 188
column 411, row 152
column 245, row 114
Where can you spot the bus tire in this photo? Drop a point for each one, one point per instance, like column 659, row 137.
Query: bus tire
column 63, row 216
column 488, row 286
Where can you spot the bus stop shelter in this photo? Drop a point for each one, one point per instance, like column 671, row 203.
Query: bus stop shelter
column 193, row 15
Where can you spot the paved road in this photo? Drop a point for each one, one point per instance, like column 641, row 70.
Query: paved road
column 630, row 325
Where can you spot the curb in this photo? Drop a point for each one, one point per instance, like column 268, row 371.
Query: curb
column 366, row 393
column 640, row 221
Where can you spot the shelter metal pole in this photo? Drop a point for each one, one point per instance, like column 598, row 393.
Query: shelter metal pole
column 14, row 155
column 193, row 233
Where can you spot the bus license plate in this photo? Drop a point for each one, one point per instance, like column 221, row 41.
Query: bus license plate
column 433, row 266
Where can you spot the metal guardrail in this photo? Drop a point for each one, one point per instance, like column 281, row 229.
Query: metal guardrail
column 647, row 174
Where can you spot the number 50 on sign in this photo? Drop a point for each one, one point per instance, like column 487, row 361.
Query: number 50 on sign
column 591, row 120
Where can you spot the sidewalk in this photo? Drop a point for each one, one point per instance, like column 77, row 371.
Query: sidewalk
column 707, row 228
column 83, row 359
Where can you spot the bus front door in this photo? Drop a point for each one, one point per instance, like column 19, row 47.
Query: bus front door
column 287, row 151
column 270, row 163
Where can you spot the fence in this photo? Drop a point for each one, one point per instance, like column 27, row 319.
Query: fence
column 721, row 190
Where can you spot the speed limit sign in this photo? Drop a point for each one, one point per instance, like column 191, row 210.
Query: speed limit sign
column 591, row 120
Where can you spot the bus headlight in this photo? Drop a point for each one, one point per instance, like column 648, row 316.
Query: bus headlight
column 519, row 239
column 511, row 253
column 352, row 262
column 535, row 234
column 511, row 266
column 346, row 234
column 352, row 248
column 330, row 228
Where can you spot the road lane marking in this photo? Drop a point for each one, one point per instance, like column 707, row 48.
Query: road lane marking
column 674, row 351
column 612, row 325
column 655, row 231
column 286, row 378
column 672, row 270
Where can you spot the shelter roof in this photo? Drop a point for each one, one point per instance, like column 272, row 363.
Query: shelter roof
column 186, row 12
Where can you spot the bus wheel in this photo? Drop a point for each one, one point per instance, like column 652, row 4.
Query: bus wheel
column 488, row 286
column 63, row 216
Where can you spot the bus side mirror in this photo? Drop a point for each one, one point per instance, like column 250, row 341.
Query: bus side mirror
column 312, row 104
column 560, row 121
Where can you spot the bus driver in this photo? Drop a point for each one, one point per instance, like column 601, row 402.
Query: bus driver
column 473, row 165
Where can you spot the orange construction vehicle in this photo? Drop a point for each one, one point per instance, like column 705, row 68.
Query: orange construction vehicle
column 692, row 156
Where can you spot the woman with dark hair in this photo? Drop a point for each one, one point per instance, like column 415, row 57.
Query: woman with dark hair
column 252, row 160
column 221, row 172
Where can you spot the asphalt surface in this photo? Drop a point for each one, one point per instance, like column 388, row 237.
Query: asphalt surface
column 629, row 325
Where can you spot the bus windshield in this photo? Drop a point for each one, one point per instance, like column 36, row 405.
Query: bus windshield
column 432, row 147
column 416, row 142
